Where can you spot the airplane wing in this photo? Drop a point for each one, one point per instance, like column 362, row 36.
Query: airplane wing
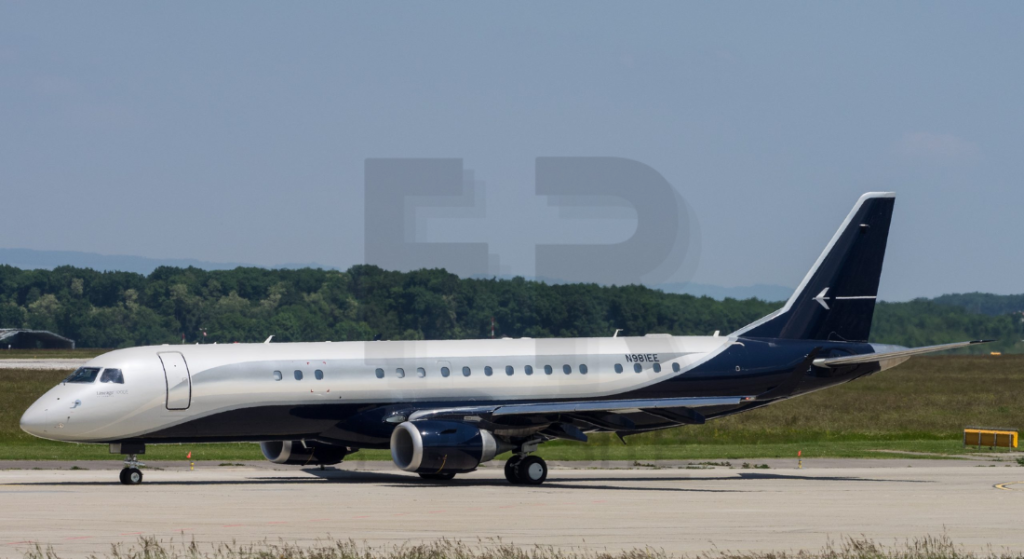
column 873, row 357
column 605, row 415
column 543, row 408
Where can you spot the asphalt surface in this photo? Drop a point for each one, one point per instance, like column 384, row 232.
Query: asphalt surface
column 673, row 506
column 43, row 364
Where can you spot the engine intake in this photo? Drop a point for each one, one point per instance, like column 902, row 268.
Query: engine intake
column 297, row 453
column 442, row 446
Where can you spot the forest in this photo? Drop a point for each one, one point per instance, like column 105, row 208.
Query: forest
column 190, row 305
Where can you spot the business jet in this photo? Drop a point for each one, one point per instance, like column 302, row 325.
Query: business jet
column 444, row 407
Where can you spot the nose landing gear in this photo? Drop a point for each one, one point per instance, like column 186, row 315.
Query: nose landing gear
column 131, row 474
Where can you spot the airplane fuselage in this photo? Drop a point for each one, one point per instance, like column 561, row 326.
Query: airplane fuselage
column 445, row 407
column 341, row 392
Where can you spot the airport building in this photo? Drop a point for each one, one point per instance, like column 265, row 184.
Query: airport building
column 16, row 338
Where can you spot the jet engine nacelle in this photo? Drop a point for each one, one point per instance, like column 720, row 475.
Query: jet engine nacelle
column 297, row 453
column 429, row 447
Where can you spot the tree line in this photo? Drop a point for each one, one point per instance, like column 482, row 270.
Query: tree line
column 123, row 309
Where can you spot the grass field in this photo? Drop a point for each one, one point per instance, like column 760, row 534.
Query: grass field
column 921, row 406
column 51, row 353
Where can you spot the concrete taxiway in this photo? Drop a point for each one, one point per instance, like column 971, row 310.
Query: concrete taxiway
column 80, row 512
column 43, row 364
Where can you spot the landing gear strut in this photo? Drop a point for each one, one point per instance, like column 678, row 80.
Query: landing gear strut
column 131, row 474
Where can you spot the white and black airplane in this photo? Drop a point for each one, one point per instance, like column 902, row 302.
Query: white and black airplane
column 444, row 407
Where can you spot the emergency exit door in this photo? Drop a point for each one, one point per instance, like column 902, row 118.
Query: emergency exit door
column 179, row 382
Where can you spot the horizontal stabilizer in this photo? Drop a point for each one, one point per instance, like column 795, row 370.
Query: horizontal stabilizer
column 874, row 357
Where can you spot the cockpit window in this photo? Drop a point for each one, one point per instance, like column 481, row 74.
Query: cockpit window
column 84, row 375
column 112, row 375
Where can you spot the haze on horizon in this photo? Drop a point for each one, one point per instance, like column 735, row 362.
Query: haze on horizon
column 238, row 132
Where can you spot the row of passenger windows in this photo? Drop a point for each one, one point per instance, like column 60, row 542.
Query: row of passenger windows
column 510, row 370
column 318, row 374
column 422, row 373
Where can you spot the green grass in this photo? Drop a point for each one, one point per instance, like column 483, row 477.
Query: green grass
column 51, row 353
column 921, row 406
column 828, row 449
column 50, row 450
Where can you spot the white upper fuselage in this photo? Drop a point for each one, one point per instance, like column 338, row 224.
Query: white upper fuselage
column 222, row 378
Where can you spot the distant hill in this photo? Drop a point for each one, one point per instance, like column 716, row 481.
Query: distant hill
column 984, row 303
column 773, row 293
column 246, row 304
column 29, row 259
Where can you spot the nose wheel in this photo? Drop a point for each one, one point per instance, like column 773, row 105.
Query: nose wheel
column 131, row 474
column 526, row 470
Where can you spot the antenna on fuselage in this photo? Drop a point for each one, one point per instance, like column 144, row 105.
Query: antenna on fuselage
column 267, row 341
column 616, row 334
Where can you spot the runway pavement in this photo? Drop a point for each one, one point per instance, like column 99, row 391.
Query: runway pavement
column 678, row 509
column 43, row 364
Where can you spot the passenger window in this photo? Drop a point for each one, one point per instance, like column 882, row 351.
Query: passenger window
column 657, row 367
column 298, row 375
column 566, row 369
column 547, row 369
column 112, row 375
column 400, row 372
column 675, row 367
column 637, row 367
column 618, row 367
column 445, row 371
column 509, row 370
column 278, row 375
column 84, row 375
column 421, row 372
column 528, row 370
column 466, row 372
column 488, row 370
column 318, row 374
column 583, row 369
column 379, row 373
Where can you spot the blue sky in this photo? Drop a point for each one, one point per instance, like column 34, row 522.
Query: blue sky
column 237, row 131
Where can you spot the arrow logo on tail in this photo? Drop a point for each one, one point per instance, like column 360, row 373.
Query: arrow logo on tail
column 821, row 298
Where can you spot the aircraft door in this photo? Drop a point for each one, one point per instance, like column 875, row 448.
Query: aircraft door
column 179, row 383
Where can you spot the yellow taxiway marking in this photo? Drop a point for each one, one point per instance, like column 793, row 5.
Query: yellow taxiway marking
column 1006, row 486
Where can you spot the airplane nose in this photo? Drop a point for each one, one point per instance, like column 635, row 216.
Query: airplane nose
column 36, row 420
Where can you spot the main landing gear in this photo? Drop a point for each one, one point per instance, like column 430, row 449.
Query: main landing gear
column 526, row 470
column 131, row 474
column 523, row 469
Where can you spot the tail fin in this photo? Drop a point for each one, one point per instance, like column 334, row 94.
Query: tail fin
column 836, row 299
